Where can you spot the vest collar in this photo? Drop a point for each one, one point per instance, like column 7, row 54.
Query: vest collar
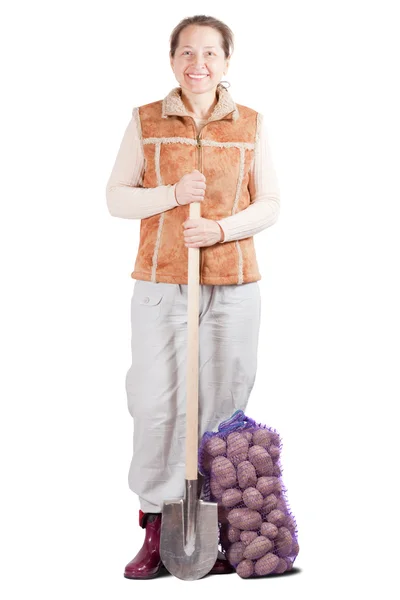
column 172, row 104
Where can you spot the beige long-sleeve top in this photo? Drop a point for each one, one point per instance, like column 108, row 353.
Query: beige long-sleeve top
column 128, row 200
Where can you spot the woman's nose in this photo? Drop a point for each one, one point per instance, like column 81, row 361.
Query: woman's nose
column 198, row 61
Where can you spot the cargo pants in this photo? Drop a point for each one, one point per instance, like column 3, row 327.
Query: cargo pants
column 229, row 321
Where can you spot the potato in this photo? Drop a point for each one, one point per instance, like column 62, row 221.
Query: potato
column 223, row 471
column 248, row 536
column 215, row 446
column 231, row 497
column 237, row 447
column 267, row 485
column 246, row 474
column 277, row 517
column 258, row 547
column 276, row 440
column 266, row 564
column 270, row 503
column 245, row 568
column 276, row 470
column 216, row 489
column 235, row 553
column 206, row 460
column 248, row 435
column 253, row 498
column 295, row 548
column 232, row 437
column 245, row 519
column 261, row 460
column 233, row 534
column 290, row 523
column 269, row 530
column 222, row 514
column 281, row 504
column 262, row 437
column 283, row 542
column 281, row 566
column 274, row 451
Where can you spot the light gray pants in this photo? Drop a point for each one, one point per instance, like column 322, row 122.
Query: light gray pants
column 229, row 321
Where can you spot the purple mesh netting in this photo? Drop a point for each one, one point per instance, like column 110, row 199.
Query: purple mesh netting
column 243, row 474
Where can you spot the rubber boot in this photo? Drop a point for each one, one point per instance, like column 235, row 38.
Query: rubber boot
column 147, row 563
column 222, row 566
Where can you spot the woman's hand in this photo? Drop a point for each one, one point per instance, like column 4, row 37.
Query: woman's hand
column 190, row 188
column 197, row 232
column 201, row 232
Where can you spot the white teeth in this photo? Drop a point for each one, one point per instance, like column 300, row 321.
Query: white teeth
column 196, row 76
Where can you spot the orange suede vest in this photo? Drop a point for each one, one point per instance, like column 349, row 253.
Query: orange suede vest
column 223, row 151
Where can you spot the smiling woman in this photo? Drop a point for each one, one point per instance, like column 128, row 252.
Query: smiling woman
column 194, row 145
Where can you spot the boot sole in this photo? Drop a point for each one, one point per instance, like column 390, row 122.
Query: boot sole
column 162, row 569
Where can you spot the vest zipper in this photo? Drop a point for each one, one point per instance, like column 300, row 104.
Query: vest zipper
column 200, row 168
column 199, row 154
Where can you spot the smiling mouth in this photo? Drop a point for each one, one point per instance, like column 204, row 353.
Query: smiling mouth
column 192, row 76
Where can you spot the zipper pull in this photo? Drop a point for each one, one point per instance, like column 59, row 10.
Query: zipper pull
column 198, row 142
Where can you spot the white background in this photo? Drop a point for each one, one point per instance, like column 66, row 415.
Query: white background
column 325, row 75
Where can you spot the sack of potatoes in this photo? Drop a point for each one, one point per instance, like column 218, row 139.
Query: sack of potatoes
column 241, row 467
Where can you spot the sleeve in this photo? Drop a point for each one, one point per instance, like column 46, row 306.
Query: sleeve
column 125, row 196
column 264, row 194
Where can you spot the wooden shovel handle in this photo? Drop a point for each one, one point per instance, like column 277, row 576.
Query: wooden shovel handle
column 192, row 381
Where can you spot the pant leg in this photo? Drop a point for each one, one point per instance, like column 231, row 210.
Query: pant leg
column 156, row 394
column 228, row 341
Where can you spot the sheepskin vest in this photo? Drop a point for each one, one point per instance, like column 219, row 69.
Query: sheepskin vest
column 223, row 151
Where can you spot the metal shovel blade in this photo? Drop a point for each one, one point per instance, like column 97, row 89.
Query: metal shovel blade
column 189, row 535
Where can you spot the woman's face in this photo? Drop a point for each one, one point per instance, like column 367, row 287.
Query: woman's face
column 199, row 53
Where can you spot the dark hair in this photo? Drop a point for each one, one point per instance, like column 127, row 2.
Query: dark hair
column 205, row 21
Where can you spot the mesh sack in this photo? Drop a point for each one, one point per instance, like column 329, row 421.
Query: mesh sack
column 240, row 464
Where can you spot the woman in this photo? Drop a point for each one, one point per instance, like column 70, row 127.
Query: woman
column 195, row 145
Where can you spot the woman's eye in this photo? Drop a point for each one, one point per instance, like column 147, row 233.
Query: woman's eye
column 188, row 51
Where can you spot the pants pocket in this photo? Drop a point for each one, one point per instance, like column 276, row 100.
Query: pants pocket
column 235, row 294
column 146, row 303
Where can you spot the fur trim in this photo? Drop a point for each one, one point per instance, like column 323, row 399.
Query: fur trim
column 172, row 104
column 193, row 142
column 234, row 210
column 170, row 140
column 162, row 216
column 136, row 116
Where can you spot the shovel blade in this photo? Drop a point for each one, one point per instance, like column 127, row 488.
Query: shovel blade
column 192, row 557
